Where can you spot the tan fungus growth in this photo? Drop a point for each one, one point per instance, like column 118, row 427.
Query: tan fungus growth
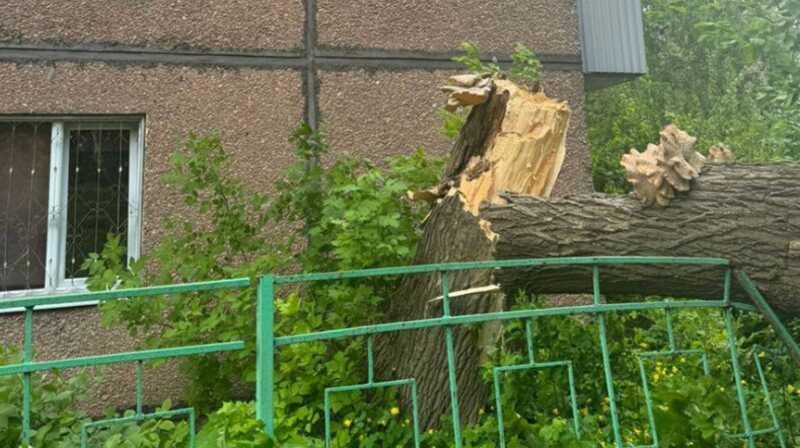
column 664, row 169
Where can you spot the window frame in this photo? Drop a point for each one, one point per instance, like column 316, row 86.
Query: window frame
column 57, row 204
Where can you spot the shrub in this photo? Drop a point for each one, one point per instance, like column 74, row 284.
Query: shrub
column 348, row 215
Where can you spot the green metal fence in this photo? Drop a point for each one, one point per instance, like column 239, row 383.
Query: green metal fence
column 268, row 342
column 30, row 366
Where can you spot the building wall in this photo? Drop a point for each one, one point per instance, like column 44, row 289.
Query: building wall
column 367, row 71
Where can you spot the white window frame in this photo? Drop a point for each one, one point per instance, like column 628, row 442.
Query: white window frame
column 55, row 267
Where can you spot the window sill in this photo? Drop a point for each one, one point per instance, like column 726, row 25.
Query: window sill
column 78, row 285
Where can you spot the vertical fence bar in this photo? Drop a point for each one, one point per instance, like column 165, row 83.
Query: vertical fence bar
column 27, row 356
column 648, row 400
column 670, row 332
column 327, row 404
column 601, row 322
column 737, row 374
column 451, row 361
column 501, row 431
column 192, row 418
column 529, row 337
column 265, row 353
column 765, row 388
column 370, row 360
column 139, row 387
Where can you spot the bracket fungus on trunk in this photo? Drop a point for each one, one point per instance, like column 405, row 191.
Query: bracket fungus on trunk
column 664, row 169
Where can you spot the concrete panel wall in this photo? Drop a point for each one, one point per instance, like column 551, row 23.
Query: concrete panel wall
column 242, row 104
column 217, row 24
column 254, row 110
column 548, row 26
column 376, row 114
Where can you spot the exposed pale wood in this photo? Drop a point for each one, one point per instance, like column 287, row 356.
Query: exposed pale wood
column 527, row 153
column 467, row 293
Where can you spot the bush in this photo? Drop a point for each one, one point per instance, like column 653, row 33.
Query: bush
column 54, row 417
column 348, row 215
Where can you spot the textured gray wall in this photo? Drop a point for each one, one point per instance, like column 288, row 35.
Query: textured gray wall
column 211, row 24
column 549, row 26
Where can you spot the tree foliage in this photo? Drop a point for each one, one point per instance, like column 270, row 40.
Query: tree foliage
column 724, row 70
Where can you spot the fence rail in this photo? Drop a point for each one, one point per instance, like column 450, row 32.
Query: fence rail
column 28, row 366
column 267, row 342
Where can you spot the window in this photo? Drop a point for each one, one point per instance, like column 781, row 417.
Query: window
column 64, row 187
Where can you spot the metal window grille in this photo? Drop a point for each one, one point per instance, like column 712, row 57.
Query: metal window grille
column 65, row 185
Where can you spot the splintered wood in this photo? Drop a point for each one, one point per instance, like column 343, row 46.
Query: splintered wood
column 516, row 144
column 527, row 153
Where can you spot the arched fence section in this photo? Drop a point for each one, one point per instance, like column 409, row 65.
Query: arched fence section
column 268, row 342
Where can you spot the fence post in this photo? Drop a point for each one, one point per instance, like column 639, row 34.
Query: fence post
column 265, row 353
column 601, row 322
column 27, row 356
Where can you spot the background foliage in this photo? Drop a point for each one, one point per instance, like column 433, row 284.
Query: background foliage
column 723, row 70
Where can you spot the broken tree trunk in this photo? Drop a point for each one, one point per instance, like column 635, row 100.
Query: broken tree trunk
column 747, row 213
column 514, row 140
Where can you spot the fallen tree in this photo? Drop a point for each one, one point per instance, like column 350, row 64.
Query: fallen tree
column 494, row 205
column 747, row 213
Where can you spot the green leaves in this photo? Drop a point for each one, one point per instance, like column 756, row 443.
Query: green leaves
column 526, row 67
column 234, row 425
column 726, row 71
column 471, row 60
column 351, row 215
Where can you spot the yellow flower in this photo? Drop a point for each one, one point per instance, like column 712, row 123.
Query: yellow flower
column 762, row 355
column 481, row 411
column 348, row 423
column 430, row 431
column 790, row 389
column 656, row 377
column 394, row 411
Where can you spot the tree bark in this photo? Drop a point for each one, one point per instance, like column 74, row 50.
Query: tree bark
column 515, row 141
column 747, row 213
